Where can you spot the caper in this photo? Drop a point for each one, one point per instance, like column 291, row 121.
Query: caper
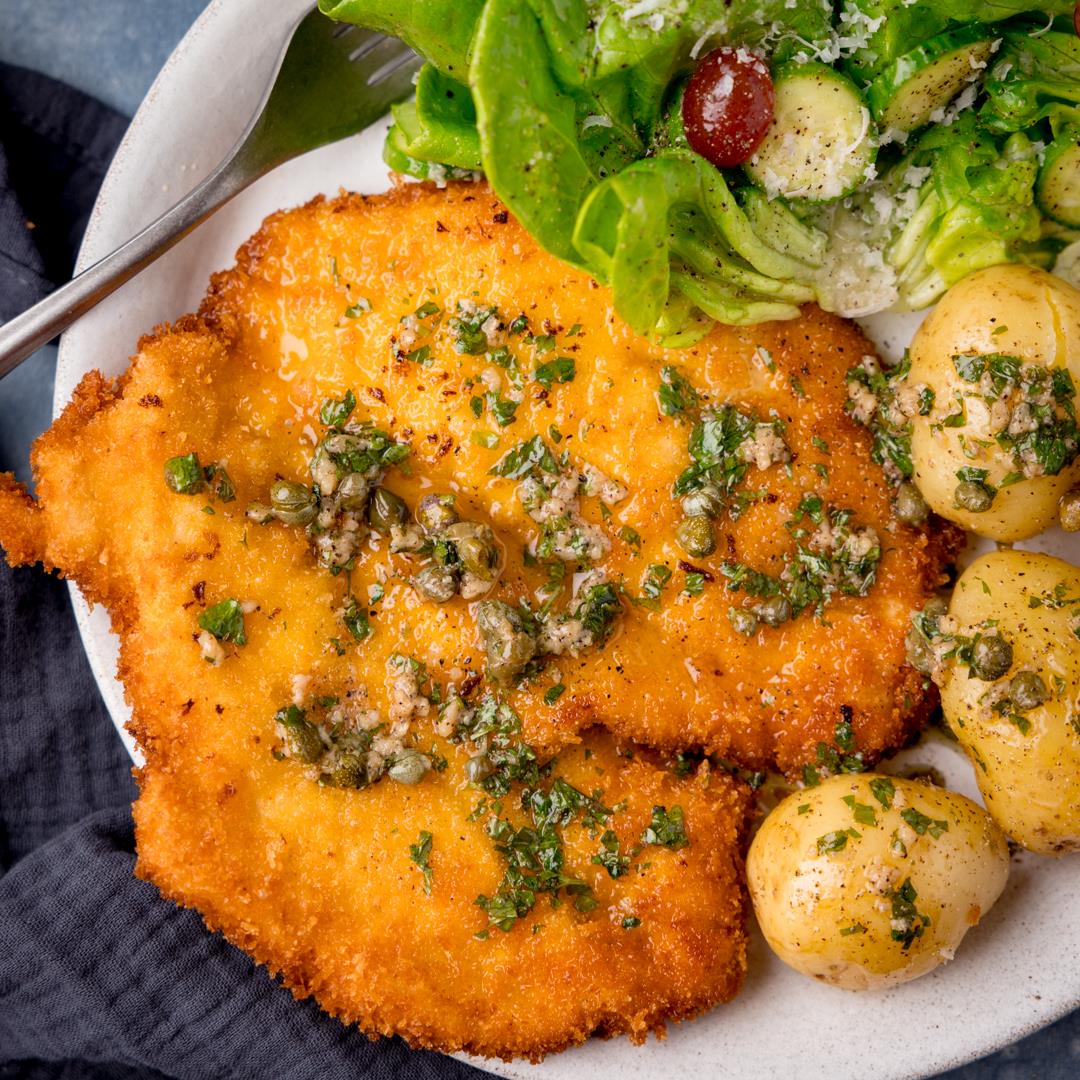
column 303, row 740
column 353, row 491
column 409, row 767
column 478, row 767
column 478, row 557
column 436, row 583
column 1027, row 690
column 1069, row 510
column 436, row 512
column 775, row 611
column 706, row 501
column 508, row 642
column 386, row 509
column 743, row 621
column 991, row 657
column 349, row 772
column 260, row 513
column 910, row 506
column 920, row 655
column 935, row 607
column 695, row 537
column 973, row 496
column 293, row 503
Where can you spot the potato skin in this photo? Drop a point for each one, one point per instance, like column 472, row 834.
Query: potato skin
column 804, row 895
column 1018, row 311
column 1031, row 782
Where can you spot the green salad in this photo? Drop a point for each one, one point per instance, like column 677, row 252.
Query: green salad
column 910, row 142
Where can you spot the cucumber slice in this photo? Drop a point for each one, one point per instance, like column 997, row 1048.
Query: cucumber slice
column 782, row 230
column 1057, row 190
column 821, row 145
column 916, row 85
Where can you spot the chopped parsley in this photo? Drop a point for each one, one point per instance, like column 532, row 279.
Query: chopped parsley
column 420, row 853
column 886, row 421
column 503, row 410
column 467, row 328
column 535, row 856
column 676, row 394
column 553, row 693
column 356, row 621
column 598, row 611
column 908, row 923
column 884, row 790
column 863, row 813
column 717, row 458
column 609, row 856
column 334, row 413
column 653, row 583
column 843, row 561
column 487, row 439
column 667, row 828
column 225, row 621
column 183, row 476
column 523, row 458
column 560, row 370
column 923, row 824
column 361, row 307
column 695, row 584
column 542, row 343
column 835, row 841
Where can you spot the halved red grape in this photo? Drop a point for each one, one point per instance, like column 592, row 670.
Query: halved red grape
column 1076, row 18
column 728, row 106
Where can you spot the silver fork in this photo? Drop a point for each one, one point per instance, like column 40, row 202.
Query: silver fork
column 332, row 80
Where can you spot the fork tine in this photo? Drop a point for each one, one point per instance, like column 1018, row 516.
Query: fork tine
column 342, row 29
column 366, row 47
column 381, row 74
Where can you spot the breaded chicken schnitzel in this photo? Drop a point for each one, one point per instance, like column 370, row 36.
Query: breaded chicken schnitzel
column 406, row 512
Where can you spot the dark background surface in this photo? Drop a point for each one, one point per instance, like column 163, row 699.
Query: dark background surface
column 113, row 49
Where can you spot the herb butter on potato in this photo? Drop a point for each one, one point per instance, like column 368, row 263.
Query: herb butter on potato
column 1000, row 358
column 1021, row 728
column 869, row 881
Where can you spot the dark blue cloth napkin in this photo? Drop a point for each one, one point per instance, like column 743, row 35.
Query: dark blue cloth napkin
column 100, row 977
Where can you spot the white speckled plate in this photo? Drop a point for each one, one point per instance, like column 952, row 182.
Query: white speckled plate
column 1018, row 970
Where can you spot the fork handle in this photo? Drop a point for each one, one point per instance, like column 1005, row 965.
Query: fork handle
column 24, row 334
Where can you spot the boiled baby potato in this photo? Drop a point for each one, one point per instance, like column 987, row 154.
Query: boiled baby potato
column 1020, row 724
column 1001, row 353
column 869, row 881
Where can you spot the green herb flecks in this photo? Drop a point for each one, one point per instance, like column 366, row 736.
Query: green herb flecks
column 667, row 828
column 923, row 824
column 676, row 393
column 560, row 370
column 610, row 857
column 225, row 621
column 908, row 923
column 420, row 853
column 183, row 475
